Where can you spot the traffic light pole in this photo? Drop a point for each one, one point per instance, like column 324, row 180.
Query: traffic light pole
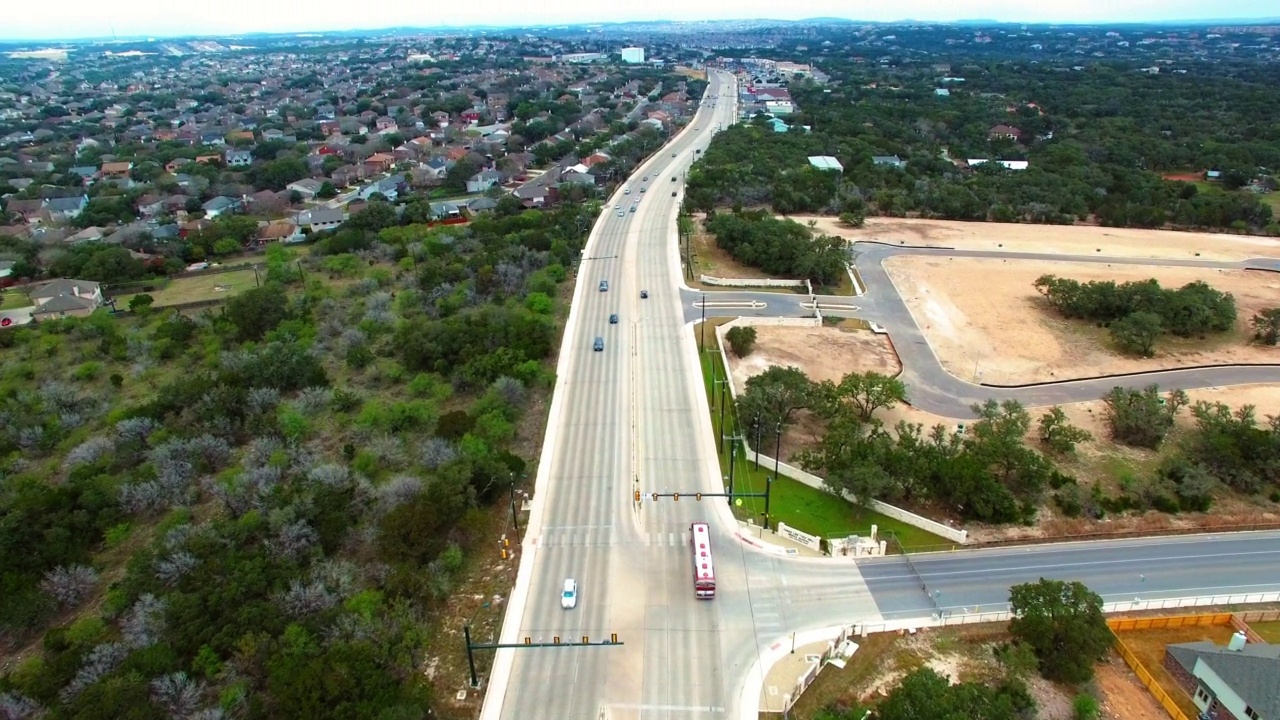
column 528, row 643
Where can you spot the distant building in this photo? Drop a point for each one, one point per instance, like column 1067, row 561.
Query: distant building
column 1240, row 681
column 826, row 162
column 633, row 55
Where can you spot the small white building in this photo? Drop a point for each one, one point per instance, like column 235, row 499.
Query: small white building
column 633, row 55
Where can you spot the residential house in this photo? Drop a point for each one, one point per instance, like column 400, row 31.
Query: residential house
column 379, row 162
column 29, row 210
column 483, row 180
column 173, row 165
column 215, row 139
column 389, row 187
column 321, row 219
column 150, row 205
column 1238, row 682
column 89, row 234
column 445, row 210
column 115, row 170
column 66, row 298
column 283, row 231
column 481, row 204
column 888, row 161
column 1004, row 132
column 221, row 205
column 86, row 173
column 307, row 188
column 385, row 124
column 65, row 209
column 238, row 158
column 347, row 175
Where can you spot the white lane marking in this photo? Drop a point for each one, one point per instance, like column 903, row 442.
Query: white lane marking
column 1090, row 563
column 669, row 708
column 730, row 304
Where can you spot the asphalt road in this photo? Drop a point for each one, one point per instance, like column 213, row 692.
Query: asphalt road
column 633, row 417
column 1119, row 571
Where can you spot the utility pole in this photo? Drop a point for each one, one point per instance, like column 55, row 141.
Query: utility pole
column 722, row 428
column 515, row 517
column 758, row 427
column 733, row 460
column 768, row 489
column 702, row 329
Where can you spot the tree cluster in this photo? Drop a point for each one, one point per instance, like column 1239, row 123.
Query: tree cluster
column 779, row 246
column 1139, row 312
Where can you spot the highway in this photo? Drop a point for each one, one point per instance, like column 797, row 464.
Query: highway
column 636, row 410
column 634, row 416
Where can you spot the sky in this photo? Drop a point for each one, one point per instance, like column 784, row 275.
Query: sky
column 71, row 19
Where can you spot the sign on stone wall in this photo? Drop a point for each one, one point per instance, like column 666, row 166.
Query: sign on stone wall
column 802, row 538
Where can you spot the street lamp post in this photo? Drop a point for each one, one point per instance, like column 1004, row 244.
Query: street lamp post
column 515, row 518
column 758, row 427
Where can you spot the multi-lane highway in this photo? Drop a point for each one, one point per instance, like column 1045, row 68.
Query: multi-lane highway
column 633, row 416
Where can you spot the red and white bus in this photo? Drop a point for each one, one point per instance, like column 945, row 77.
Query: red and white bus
column 704, row 575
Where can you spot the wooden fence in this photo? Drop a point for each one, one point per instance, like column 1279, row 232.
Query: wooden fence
column 1147, row 679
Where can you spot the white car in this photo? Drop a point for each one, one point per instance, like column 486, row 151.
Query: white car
column 569, row 597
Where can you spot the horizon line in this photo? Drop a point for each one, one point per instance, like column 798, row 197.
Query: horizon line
column 827, row 19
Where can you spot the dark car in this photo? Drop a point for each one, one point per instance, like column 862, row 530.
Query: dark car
column 604, row 285
column 644, row 294
column 673, row 193
column 599, row 344
column 613, row 319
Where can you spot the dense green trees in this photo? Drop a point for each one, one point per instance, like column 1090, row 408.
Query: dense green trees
column 1096, row 143
column 778, row 246
column 1137, row 313
column 263, row 509
column 1063, row 623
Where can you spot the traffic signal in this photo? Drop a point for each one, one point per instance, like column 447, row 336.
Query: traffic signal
column 528, row 640
column 675, row 496
column 556, row 639
column 586, row 640
column 613, row 638
column 655, row 497
column 698, row 497
column 637, row 496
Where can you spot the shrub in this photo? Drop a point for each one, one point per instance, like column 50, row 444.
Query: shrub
column 742, row 339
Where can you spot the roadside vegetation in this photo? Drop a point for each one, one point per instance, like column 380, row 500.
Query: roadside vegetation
column 204, row 516
column 1058, row 635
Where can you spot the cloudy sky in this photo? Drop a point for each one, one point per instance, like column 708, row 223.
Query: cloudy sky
column 99, row 18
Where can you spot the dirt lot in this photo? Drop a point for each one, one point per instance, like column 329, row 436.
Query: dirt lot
column 1057, row 239
column 987, row 313
column 824, row 353
column 1123, row 697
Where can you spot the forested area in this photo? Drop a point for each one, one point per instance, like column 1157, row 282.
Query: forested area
column 1097, row 140
column 260, row 512
column 987, row 470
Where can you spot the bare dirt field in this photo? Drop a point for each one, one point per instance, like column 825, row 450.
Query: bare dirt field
column 1123, row 697
column 1055, row 239
column 985, row 316
column 824, row 353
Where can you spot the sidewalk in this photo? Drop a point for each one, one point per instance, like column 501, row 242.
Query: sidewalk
column 783, row 678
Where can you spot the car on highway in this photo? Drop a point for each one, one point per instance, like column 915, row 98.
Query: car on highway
column 633, row 208
column 673, row 178
column 642, row 189
column 673, row 193
column 569, row 596
column 598, row 345
column 604, row 286
column 627, row 191
column 613, row 319
column 644, row 294
column 622, row 213
column 673, row 154
column 646, row 178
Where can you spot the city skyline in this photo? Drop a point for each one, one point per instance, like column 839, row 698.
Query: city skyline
column 82, row 20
